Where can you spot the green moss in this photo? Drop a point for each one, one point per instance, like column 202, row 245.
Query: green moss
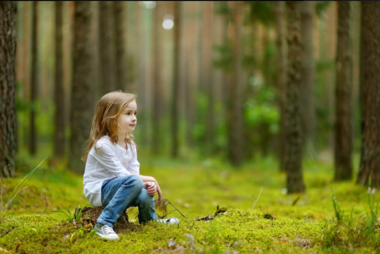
column 297, row 224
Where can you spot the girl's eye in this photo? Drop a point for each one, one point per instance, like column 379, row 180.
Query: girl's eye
column 135, row 113
column 128, row 113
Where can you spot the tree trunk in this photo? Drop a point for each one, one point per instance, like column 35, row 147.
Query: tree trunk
column 8, row 117
column 370, row 68
column 235, row 118
column 293, row 129
column 157, row 87
column 329, row 78
column 307, row 77
column 82, row 93
column 118, row 11
column 34, row 81
column 176, row 80
column 363, row 56
column 24, row 54
column 198, row 45
column 207, row 75
column 343, row 102
column 218, row 80
column 192, row 73
column 59, row 120
column 107, row 48
column 281, row 76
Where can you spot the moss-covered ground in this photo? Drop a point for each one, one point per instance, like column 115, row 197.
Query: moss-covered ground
column 260, row 216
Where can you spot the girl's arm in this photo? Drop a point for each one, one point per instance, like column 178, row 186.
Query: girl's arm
column 134, row 169
column 147, row 179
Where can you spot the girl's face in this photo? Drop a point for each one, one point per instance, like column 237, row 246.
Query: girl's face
column 127, row 120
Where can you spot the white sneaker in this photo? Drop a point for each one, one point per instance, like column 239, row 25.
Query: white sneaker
column 171, row 220
column 106, row 232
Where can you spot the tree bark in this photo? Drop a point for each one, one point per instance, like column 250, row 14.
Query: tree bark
column 235, row 118
column 8, row 117
column 370, row 68
column 107, row 48
column 281, row 76
column 120, row 78
column 329, row 77
column 175, row 88
column 82, row 93
column 308, row 78
column 192, row 65
column 207, row 74
column 34, row 81
column 343, row 101
column 59, row 93
column 293, row 129
column 157, row 84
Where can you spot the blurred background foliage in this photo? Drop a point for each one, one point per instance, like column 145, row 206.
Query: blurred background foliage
column 221, row 46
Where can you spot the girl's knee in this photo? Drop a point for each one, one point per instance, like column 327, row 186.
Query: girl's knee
column 134, row 180
column 145, row 197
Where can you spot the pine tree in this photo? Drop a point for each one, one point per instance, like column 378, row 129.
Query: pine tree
column 343, row 103
column 8, row 119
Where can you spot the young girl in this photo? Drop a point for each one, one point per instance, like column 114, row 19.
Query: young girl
column 112, row 173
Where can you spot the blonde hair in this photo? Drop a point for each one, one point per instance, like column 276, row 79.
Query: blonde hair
column 105, row 120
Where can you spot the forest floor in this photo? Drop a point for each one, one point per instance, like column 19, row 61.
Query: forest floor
column 260, row 216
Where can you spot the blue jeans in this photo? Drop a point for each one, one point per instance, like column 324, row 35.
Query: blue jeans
column 120, row 193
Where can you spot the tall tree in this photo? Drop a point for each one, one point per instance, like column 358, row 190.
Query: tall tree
column 207, row 72
column 281, row 70
column 59, row 119
column 157, row 84
column 329, row 77
column 34, row 81
column 192, row 65
column 8, row 118
column 308, row 111
column 343, row 102
column 235, row 103
column 293, row 129
column 118, row 11
column 176, row 80
column 107, row 47
column 370, row 84
column 82, row 93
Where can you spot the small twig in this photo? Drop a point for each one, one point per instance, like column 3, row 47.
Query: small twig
column 257, row 198
column 176, row 209
column 296, row 200
column 165, row 214
column 162, row 206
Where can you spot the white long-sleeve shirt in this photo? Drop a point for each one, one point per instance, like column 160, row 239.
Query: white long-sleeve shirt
column 106, row 162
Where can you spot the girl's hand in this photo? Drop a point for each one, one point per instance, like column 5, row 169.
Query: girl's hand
column 147, row 181
column 157, row 186
column 151, row 188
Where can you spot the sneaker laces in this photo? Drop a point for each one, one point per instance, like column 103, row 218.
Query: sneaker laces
column 108, row 230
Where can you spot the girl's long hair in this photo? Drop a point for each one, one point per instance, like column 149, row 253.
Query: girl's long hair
column 105, row 120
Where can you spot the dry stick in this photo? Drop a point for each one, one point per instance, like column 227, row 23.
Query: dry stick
column 257, row 198
column 166, row 214
column 162, row 206
column 177, row 210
